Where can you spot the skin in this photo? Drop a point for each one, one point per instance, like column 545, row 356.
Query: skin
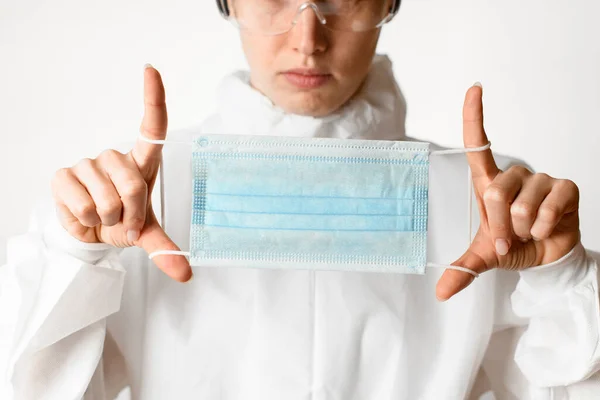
column 107, row 199
column 526, row 219
column 347, row 56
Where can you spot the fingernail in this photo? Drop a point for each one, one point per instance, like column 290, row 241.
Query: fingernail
column 502, row 246
column 133, row 235
column 148, row 66
column 524, row 240
column 478, row 84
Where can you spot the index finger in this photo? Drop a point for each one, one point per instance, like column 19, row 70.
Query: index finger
column 483, row 166
column 154, row 124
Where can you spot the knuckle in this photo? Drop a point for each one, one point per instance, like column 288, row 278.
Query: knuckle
column 109, row 203
column 85, row 163
column 519, row 170
column 134, row 188
column 541, row 177
column 84, row 210
column 110, row 155
column 568, row 185
column 522, row 210
column 495, row 194
column 549, row 213
column 61, row 175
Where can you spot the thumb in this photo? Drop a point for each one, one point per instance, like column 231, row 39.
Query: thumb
column 453, row 281
column 154, row 124
column 153, row 238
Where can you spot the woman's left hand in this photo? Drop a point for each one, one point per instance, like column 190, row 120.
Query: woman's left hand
column 526, row 219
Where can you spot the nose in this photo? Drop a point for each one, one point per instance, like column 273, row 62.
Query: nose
column 307, row 35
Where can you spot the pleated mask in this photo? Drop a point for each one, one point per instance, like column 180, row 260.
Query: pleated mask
column 310, row 203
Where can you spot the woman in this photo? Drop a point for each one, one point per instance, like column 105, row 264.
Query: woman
column 81, row 329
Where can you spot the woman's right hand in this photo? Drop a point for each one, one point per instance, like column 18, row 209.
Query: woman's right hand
column 108, row 199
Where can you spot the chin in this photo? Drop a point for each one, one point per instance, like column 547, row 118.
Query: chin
column 310, row 105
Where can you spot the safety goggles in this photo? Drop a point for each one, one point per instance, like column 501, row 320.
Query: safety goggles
column 275, row 17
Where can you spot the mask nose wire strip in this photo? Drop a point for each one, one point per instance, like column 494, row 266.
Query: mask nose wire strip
column 433, row 153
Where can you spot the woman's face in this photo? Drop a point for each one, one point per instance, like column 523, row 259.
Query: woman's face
column 309, row 70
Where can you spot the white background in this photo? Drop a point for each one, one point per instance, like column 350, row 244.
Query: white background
column 71, row 81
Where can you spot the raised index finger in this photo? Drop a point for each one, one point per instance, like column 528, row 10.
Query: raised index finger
column 483, row 166
column 154, row 123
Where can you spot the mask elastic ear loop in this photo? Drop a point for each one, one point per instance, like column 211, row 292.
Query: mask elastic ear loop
column 461, row 151
column 168, row 253
column 157, row 141
column 454, row 267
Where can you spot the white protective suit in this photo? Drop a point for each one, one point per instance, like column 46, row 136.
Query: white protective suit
column 86, row 320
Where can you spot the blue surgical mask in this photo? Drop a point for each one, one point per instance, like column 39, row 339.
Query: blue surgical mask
column 309, row 203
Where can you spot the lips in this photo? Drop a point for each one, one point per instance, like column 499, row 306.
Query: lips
column 307, row 78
